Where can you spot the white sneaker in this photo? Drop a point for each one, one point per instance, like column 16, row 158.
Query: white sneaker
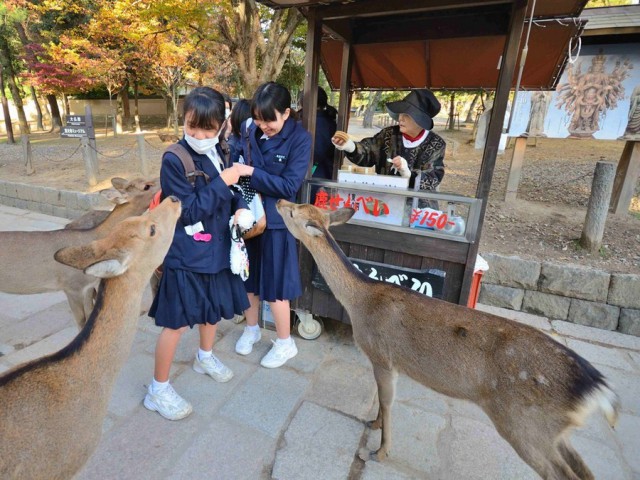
column 279, row 354
column 167, row 403
column 213, row 367
column 244, row 345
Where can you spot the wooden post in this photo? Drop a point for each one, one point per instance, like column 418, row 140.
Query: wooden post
column 92, row 137
column 598, row 207
column 142, row 154
column 515, row 169
column 26, row 151
column 627, row 175
column 88, row 161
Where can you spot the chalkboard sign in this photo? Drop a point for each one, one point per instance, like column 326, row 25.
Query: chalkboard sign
column 429, row 282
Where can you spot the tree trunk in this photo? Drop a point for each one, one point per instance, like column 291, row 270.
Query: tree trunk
column 374, row 98
column 174, row 105
column 56, row 119
column 169, row 104
column 6, row 59
column 598, row 207
column 126, row 108
column 5, row 109
column 136, row 105
column 452, row 108
column 472, row 108
column 39, row 124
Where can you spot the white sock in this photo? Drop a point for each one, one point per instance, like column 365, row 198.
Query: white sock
column 202, row 354
column 253, row 328
column 157, row 386
column 285, row 341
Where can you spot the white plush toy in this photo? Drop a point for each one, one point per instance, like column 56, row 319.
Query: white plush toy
column 239, row 260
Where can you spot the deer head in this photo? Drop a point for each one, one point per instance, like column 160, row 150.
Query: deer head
column 306, row 221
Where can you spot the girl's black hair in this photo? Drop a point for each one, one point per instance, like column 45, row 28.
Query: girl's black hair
column 205, row 107
column 323, row 104
column 269, row 98
column 239, row 114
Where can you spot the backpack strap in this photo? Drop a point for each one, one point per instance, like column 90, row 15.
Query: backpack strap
column 187, row 162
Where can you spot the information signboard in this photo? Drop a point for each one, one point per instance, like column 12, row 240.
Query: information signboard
column 77, row 132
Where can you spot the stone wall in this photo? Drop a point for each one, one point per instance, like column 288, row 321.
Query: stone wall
column 61, row 203
column 581, row 295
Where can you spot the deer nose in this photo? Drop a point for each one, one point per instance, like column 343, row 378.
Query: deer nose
column 174, row 198
column 279, row 202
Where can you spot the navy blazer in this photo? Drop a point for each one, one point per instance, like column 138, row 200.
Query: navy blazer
column 280, row 167
column 212, row 204
column 323, row 149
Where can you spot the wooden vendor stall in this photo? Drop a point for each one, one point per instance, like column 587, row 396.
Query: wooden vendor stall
column 439, row 44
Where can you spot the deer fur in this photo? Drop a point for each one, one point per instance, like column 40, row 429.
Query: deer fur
column 52, row 409
column 26, row 258
column 534, row 389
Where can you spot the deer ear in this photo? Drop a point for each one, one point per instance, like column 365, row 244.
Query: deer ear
column 106, row 269
column 313, row 229
column 341, row 216
column 120, row 183
column 114, row 196
column 106, row 264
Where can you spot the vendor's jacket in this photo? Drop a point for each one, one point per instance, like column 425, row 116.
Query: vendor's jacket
column 426, row 161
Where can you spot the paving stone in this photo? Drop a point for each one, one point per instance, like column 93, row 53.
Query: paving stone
column 603, row 461
column 477, row 451
column 343, row 386
column 546, row 304
column 626, row 385
column 574, row 281
column 44, row 347
column 319, row 443
column 388, row 470
column 143, row 446
column 623, row 290
column 22, row 306
column 596, row 335
column 594, row 314
column 537, row 321
column 627, row 433
column 601, row 355
column 129, row 388
column 415, row 394
column 272, row 393
column 38, row 326
column 414, row 433
column 224, row 449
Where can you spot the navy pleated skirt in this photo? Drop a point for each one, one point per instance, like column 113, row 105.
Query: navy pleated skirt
column 274, row 273
column 189, row 298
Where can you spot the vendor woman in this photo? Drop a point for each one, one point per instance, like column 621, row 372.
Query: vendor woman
column 409, row 149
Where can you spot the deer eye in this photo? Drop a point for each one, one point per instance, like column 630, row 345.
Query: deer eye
column 147, row 187
column 291, row 213
column 152, row 230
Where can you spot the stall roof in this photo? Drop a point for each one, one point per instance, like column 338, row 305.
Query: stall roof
column 454, row 44
column 621, row 20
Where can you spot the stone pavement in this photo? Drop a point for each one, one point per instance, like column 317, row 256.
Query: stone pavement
column 306, row 419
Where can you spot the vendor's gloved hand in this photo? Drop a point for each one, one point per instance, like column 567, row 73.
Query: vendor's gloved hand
column 400, row 166
column 342, row 141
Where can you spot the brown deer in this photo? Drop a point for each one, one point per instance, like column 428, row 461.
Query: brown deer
column 533, row 388
column 52, row 409
column 26, row 258
column 123, row 191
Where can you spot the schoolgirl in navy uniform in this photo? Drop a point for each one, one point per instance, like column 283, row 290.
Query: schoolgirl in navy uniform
column 197, row 286
column 276, row 150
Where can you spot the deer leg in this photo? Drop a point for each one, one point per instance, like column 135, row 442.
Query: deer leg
column 386, row 381
column 574, row 460
column 77, row 305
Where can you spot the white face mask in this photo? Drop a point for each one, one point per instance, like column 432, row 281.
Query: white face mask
column 227, row 113
column 202, row 146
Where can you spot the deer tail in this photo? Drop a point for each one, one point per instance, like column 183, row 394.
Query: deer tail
column 602, row 398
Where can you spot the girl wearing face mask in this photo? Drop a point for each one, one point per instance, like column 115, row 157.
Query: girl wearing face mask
column 277, row 151
column 197, row 286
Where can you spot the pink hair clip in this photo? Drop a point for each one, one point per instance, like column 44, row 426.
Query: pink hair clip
column 202, row 237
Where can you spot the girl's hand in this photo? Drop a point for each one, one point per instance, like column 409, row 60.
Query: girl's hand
column 245, row 170
column 230, row 175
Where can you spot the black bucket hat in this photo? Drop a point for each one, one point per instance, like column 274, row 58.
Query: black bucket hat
column 421, row 105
